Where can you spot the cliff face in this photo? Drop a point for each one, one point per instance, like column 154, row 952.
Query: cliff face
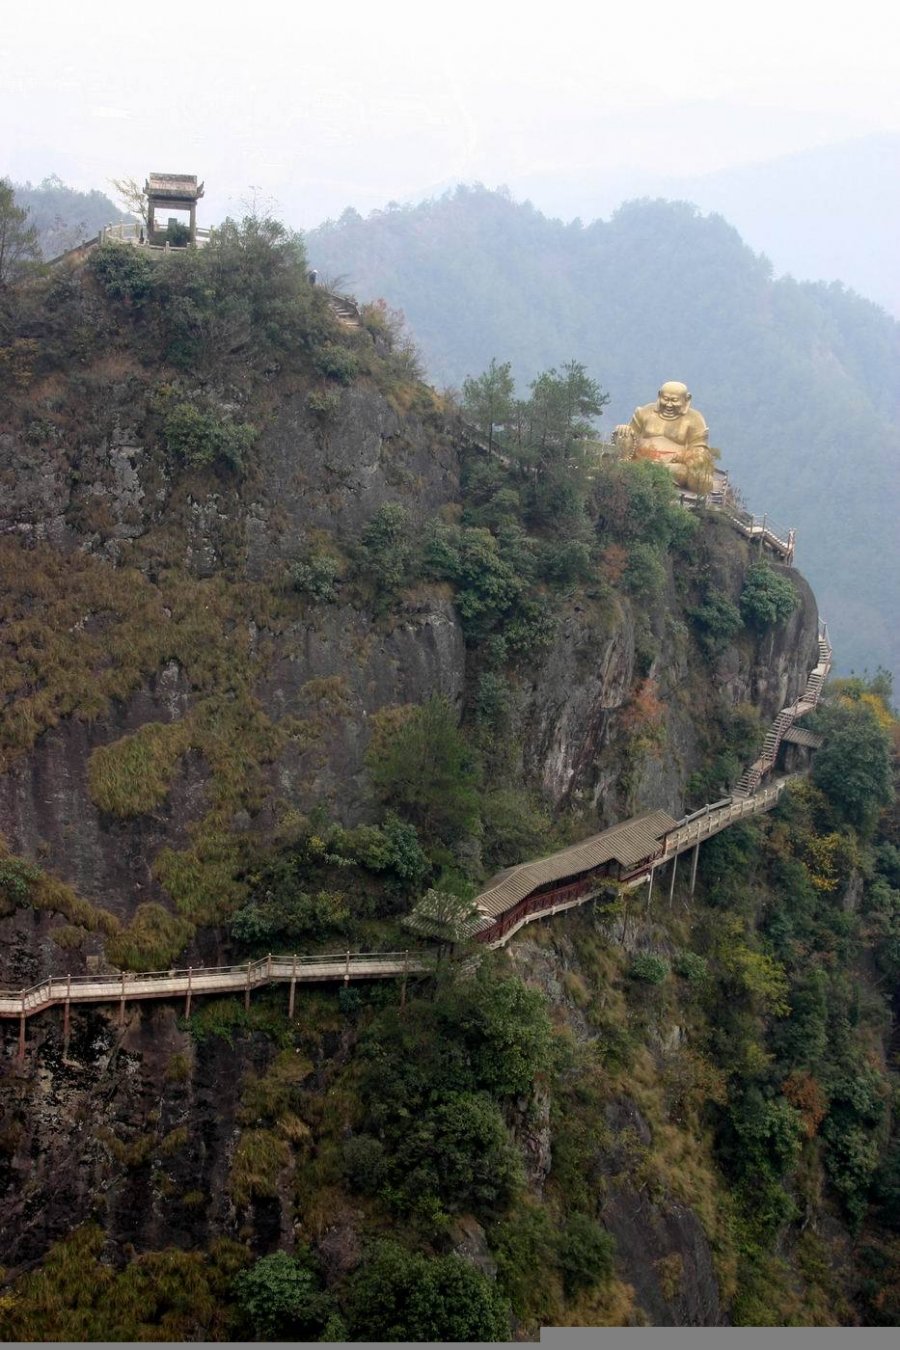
column 169, row 611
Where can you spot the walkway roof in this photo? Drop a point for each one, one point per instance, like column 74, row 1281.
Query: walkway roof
column 625, row 844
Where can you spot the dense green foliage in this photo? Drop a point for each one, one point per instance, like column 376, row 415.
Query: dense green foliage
column 424, row 770
column 198, row 438
column 853, row 767
column 433, row 1083
column 402, row 1296
column 767, row 598
column 282, row 1299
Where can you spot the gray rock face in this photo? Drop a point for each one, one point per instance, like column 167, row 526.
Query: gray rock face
column 334, row 478
column 111, row 487
column 58, row 1164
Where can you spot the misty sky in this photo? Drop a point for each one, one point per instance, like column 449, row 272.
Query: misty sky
column 307, row 113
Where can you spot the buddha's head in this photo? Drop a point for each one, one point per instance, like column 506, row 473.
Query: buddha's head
column 673, row 399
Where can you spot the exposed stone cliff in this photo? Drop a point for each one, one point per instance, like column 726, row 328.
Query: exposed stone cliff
column 143, row 1125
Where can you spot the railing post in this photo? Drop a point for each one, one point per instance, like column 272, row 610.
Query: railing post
column 269, row 967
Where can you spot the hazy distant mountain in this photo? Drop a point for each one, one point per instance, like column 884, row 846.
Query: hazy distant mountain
column 824, row 214
column 63, row 216
column 798, row 380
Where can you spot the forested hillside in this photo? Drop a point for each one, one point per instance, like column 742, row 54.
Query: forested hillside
column 63, row 216
column 797, row 381
column 285, row 650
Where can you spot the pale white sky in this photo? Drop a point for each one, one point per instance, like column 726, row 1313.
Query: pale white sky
column 359, row 104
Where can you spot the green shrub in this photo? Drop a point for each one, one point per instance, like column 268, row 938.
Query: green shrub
column 124, row 272
column 716, row 620
column 644, row 572
column 324, row 404
column 363, row 1163
column 522, row 1243
column 487, row 584
column 199, row 439
column 585, row 1252
column 648, row 968
column 386, row 550
column 390, row 848
column 282, row 1298
column 178, row 235
column 853, row 767
column 336, row 363
column 767, row 598
column 398, row 1295
column 289, row 916
column 16, row 879
column 424, row 771
column 315, row 576
column 691, row 967
column 457, row 1153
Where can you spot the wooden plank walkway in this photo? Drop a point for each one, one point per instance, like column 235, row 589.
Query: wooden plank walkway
column 126, row 987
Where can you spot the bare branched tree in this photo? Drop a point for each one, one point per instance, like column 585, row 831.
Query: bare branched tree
column 132, row 196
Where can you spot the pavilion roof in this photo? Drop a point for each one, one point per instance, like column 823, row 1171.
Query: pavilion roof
column 174, row 186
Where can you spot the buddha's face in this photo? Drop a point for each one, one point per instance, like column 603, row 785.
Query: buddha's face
column 673, row 399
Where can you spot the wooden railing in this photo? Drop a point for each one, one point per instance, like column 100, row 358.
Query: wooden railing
column 752, row 776
column 718, row 816
column 126, row 987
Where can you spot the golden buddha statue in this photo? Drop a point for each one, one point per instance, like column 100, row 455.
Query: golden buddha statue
column 672, row 433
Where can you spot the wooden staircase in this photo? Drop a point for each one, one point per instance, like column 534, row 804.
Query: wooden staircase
column 751, row 777
column 345, row 310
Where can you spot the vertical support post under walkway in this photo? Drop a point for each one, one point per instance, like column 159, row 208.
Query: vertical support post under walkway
column 672, row 882
column 403, row 982
column 21, row 1052
column 247, row 989
column 293, row 988
column 347, row 970
column 122, row 1002
column 67, row 1017
column 650, row 890
column 187, row 998
column 694, row 866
